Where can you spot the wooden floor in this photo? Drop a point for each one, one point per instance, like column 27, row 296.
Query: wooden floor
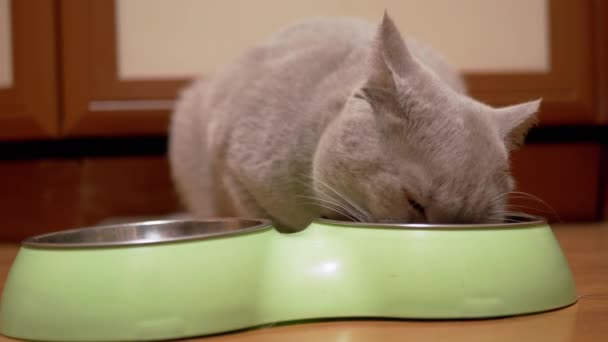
column 586, row 247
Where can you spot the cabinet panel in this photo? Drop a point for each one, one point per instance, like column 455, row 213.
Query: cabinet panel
column 95, row 101
column 28, row 96
column 6, row 45
column 49, row 195
column 140, row 196
column 555, row 34
column 564, row 176
column 188, row 31
column 600, row 11
column 38, row 197
column 567, row 89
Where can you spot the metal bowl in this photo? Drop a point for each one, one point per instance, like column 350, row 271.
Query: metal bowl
column 145, row 233
column 173, row 279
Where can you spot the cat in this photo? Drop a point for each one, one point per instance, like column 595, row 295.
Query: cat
column 343, row 119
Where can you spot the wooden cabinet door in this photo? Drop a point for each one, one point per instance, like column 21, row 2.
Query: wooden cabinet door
column 28, row 75
column 96, row 100
column 102, row 99
column 567, row 85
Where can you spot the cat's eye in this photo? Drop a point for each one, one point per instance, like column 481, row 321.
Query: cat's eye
column 360, row 95
column 417, row 206
column 414, row 204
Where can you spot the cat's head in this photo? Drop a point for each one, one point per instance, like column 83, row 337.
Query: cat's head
column 407, row 147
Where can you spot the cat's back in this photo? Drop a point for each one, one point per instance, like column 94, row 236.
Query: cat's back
column 330, row 33
column 302, row 73
column 305, row 51
column 280, row 76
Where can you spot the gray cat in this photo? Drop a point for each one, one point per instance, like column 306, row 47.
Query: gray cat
column 342, row 119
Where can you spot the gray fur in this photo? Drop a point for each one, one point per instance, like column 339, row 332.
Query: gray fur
column 339, row 118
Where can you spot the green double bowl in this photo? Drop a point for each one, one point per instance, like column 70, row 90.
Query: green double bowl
column 160, row 280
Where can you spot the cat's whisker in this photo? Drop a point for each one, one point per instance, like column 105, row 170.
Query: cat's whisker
column 520, row 195
column 360, row 216
column 357, row 210
column 524, row 195
column 497, row 203
column 500, row 215
column 495, row 220
column 499, row 197
column 524, row 207
column 334, row 203
column 306, row 183
column 345, row 198
column 507, row 216
column 513, row 194
column 354, row 219
column 328, row 198
column 339, row 196
column 508, row 220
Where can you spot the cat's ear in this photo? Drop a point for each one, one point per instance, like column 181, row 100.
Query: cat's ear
column 389, row 56
column 515, row 121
